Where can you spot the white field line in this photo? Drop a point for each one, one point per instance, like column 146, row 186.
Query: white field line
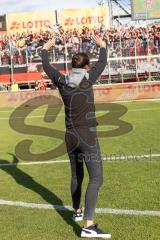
column 34, row 163
column 138, row 100
column 30, row 117
column 64, row 208
column 113, row 159
column 63, row 114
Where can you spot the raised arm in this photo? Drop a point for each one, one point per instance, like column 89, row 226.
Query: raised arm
column 51, row 72
column 99, row 67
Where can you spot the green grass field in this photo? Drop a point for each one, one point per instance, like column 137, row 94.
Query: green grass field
column 131, row 183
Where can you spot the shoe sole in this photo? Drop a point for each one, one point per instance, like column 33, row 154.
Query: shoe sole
column 104, row 236
column 78, row 219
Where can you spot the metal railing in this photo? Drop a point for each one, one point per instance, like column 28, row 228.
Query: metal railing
column 128, row 60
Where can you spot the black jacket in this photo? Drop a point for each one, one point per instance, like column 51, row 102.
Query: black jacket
column 79, row 101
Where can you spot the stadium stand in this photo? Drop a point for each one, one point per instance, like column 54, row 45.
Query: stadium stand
column 133, row 50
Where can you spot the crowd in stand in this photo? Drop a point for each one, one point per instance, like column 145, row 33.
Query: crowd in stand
column 121, row 41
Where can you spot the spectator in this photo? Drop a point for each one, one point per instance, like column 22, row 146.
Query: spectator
column 122, row 41
column 42, row 86
column 14, row 87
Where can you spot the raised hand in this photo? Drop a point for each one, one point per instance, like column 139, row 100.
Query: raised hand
column 98, row 41
column 48, row 45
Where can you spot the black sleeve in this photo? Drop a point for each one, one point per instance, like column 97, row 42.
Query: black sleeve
column 51, row 72
column 99, row 67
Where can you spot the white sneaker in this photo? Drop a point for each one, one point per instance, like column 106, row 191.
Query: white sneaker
column 77, row 217
column 94, row 232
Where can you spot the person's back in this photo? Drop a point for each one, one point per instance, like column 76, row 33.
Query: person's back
column 79, row 104
column 77, row 89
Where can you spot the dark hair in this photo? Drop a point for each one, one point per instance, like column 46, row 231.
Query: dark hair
column 80, row 60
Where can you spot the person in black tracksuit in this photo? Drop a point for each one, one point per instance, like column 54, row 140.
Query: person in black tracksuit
column 81, row 136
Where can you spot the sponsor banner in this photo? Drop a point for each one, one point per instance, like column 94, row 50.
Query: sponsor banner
column 110, row 93
column 15, row 99
column 88, row 17
column 127, row 92
column 145, row 9
column 29, row 21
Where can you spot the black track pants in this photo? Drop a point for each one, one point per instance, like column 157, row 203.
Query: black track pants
column 82, row 146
